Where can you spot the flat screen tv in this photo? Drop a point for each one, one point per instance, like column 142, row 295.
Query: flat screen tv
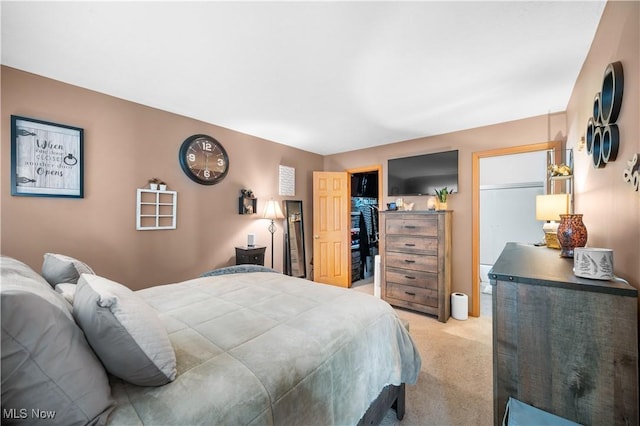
column 423, row 174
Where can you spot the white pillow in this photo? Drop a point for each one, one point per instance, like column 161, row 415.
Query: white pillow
column 124, row 331
column 67, row 290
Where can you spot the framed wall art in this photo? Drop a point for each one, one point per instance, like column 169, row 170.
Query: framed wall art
column 287, row 181
column 46, row 159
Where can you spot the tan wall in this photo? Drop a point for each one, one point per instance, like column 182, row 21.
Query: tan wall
column 128, row 143
column 125, row 145
column 610, row 206
column 521, row 132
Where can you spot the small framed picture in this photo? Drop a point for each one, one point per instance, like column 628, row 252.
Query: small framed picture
column 392, row 206
column 46, row 159
column 287, row 181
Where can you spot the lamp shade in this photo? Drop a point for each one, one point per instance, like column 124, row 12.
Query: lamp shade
column 273, row 211
column 551, row 206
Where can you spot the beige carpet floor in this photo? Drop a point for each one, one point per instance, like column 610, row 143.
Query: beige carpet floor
column 455, row 386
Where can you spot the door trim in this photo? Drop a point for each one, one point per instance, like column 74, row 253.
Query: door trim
column 367, row 169
column 475, row 207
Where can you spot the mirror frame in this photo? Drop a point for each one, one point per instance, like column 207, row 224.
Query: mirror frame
column 294, row 207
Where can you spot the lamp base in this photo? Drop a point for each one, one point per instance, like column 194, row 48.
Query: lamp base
column 551, row 239
column 272, row 229
column 550, row 230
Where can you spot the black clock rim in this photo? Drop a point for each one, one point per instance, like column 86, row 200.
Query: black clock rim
column 185, row 167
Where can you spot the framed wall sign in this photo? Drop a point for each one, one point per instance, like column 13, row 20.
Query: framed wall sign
column 287, row 181
column 46, row 159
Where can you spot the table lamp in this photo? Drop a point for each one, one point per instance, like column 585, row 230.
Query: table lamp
column 272, row 211
column 549, row 207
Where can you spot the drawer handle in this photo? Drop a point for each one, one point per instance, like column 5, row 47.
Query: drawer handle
column 409, row 226
column 409, row 261
column 409, row 278
column 409, row 244
column 409, row 293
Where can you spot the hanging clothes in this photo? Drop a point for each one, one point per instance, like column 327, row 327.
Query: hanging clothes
column 364, row 244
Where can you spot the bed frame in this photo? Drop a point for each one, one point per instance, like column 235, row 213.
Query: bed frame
column 390, row 397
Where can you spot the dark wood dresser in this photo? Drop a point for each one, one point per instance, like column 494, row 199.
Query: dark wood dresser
column 416, row 261
column 564, row 344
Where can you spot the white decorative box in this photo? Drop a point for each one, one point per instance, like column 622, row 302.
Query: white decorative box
column 594, row 263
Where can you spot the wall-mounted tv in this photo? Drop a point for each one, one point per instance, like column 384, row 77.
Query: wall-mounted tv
column 422, row 174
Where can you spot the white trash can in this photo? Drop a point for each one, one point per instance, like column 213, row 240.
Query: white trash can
column 459, row 306
column 376, row 277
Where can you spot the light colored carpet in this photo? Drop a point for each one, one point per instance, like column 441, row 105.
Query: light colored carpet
column 455, row 386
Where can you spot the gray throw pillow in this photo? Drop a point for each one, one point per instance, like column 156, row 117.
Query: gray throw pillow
column 124, row 332
column 47, row 364
column 58, row 268
column 21, row 276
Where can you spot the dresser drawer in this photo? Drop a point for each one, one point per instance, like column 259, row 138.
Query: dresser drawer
column 250, row 255
column 412, row 261
column 412, row 278
column 412, row 244
column 421, row 296
column 251, row 259
column 406, row 226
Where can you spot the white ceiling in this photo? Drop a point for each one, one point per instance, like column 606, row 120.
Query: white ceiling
column 325, row 77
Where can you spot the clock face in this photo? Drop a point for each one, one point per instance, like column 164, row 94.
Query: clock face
column 204, row 159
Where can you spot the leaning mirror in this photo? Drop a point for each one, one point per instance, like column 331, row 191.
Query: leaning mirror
column 295, row 262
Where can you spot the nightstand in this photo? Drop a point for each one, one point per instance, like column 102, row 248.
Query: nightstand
column 252, row 255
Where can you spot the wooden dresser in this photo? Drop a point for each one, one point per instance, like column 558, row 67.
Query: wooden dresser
column 416, row 261
column 564, row 344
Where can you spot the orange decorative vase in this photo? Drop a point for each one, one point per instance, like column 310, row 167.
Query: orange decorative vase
column 571, row 233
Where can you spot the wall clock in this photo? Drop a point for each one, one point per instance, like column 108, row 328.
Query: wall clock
column 203, row 159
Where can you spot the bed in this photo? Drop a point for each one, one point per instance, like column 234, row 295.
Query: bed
column 250, row 347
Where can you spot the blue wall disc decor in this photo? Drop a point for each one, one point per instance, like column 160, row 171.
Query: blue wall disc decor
column 611, row 95
column 603, row 137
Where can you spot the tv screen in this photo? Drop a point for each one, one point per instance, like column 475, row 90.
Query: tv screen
column 423, row 174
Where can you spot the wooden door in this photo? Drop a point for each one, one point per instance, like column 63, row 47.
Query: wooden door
column 331, row 226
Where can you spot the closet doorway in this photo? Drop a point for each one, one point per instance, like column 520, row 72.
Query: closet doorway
column 366, row 197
